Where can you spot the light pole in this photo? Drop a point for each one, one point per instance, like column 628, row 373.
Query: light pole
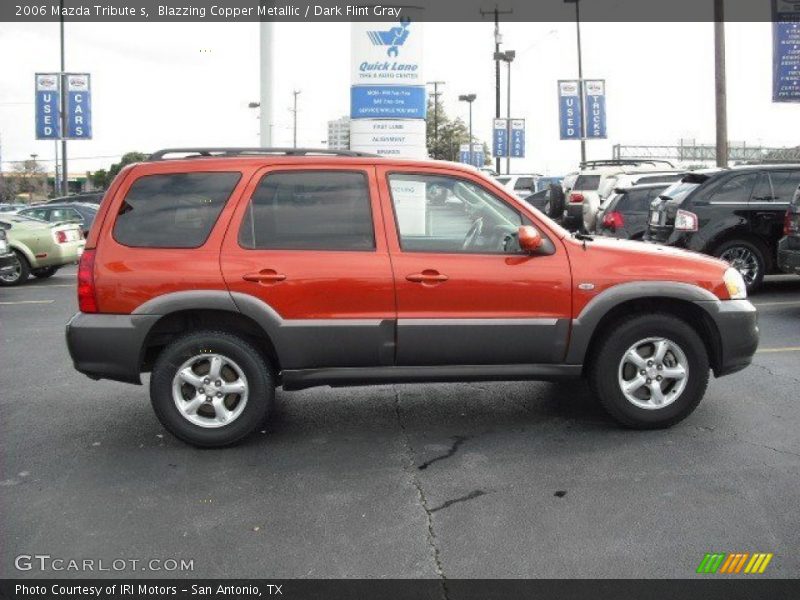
column 469, row 99
column 720, row 94
column 296, row 93
column 507, row 57
column 436, row 94
column 577, row 4
column 498, row 39
column 63, row 111
column 33, row 178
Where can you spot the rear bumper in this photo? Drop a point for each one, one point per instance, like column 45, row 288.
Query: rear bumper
column 108, row 346
column 789, row 257
column 62, row 254
column 737, row 324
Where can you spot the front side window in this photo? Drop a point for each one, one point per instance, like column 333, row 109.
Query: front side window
column 445, row 214
column 309, row 210
column 177, row 210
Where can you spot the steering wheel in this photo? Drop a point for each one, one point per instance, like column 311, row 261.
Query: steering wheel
column 473, row 234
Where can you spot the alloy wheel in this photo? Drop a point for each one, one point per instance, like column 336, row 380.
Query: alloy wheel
column 743, row 260
column 210, row 390
column 653, row 373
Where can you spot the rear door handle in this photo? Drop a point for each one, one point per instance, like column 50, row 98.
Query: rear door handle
column 264, row 276
column 428, row 276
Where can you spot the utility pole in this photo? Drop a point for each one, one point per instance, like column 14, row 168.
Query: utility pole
column 436, row 94
column 469, row 99
column 721, row 96
column 296, row 93
column 498, row 39
column 63, row 111
column 510, row 54
column 577, row 4
column 266, row 71
column 56, row 178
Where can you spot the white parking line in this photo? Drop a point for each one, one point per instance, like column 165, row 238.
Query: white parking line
column 771, row 350
column 29, row 302
column 782, row 303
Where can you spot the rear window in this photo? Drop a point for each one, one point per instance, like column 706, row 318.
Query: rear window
column 637, row 201
column 679, row 190
column 587, row 183
column 668, row 178
column 309, row 210
column 503, row 180
column 177, row 210
column 524, row 183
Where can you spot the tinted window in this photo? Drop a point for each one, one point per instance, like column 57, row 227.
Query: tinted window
column 668, row 178
column 784, row 185
column 173, row 211
column 636, row 200
column 309, row 210
column 446, row 214
column 735, row 189
column 524, row 183
column 587, row 183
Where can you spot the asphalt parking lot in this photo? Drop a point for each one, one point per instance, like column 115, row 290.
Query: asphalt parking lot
column 463, row 480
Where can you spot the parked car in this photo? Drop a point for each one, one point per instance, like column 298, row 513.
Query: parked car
column 84, row 197
column 228, row 274
column 624, row 214
column 538, row 199
column 735, row 214
column 595, row 181
column 10, row 208
column 520, row 184
column 8, row 260
column 81, row 213
column 39, row 248
column 789, row 244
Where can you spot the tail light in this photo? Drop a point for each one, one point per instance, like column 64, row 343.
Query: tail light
column 685, row 221
column 61, row 237
column 576, row 198
column 87, row 299
column 791, row 223
column 613, row 221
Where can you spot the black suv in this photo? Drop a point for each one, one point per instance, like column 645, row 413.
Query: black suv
column 735, row 214
column 789, row 245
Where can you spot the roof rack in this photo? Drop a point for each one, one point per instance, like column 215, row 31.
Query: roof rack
column 613, row 162
column 227, row 152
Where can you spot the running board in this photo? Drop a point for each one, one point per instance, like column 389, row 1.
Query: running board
column 358, row 376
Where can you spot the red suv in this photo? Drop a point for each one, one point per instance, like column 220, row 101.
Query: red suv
column 228, row 272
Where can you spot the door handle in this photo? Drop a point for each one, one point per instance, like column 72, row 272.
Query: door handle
column 428, row 276
column 264, row 276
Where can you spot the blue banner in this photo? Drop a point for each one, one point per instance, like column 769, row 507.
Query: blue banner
column 78, row 116
column 517, row 138
column 387, row 102
column 785, row 51
column 48, row 101
column 594, row 103
column 478, row 156
column 570, row 112
column 500, row 138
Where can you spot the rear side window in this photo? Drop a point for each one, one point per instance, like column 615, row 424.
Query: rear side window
column 735, row 190
column 587, row 183
column 173, row 211
column 638, row 201
column 309, row 210
column 784, row 185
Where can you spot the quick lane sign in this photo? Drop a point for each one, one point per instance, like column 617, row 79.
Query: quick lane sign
column 48, row 101
column 786, row 51
column 594, row 102
column 570, row 111
column 78, row 115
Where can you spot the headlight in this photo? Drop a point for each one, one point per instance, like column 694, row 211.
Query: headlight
column 734, row 282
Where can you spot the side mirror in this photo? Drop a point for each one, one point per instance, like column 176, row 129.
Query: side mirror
column 530, row 240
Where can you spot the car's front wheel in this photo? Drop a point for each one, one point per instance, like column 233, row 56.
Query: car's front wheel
column 748, row 258
column 650, row 372
column 19, row 273
column 211, row 388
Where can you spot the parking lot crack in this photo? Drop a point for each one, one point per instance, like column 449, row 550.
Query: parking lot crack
column 457, row 441
column 471, row 496
column 409, row 467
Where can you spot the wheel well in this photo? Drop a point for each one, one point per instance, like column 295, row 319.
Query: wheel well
column 740, row 233
column 173, row 325
column 692, row 314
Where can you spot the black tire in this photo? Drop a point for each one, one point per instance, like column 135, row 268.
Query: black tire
column 45, row 272
column 257, row 371
column 604, row 368
column 556, row 202
column 756, row 250
column 20, row 275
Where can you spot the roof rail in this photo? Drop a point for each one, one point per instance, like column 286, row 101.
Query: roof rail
column 226, row 152
column 613, row 162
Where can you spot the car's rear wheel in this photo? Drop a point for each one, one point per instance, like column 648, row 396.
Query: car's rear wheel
column 651, row 373
column 20, row 272
column 748, row 258
column 211, row 388
column 45, row 272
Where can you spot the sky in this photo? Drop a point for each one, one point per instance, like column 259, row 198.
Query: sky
column 161, row 85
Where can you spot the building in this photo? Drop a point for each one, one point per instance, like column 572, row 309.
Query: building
column 339, row 134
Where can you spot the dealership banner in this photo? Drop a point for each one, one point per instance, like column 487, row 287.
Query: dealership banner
column 500, row 138
column 570, row 110
column 594, row 104
column 48, row 105
column 78, row 116
column 786, row 51
column 477, row 159
column 517, row 143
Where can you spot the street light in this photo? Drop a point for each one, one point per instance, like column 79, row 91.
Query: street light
column 33, row 177
column 469, row 98
column 507, row 57
column 296, row 93
column 436, row 94
column 577, row 4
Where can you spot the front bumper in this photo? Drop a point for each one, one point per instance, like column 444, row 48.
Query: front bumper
column 108, row 346
column 737, row 324
column 7, row 262
column 788, row 256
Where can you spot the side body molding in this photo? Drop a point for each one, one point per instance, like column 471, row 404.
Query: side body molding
column 585, row 324
column 188, row 300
